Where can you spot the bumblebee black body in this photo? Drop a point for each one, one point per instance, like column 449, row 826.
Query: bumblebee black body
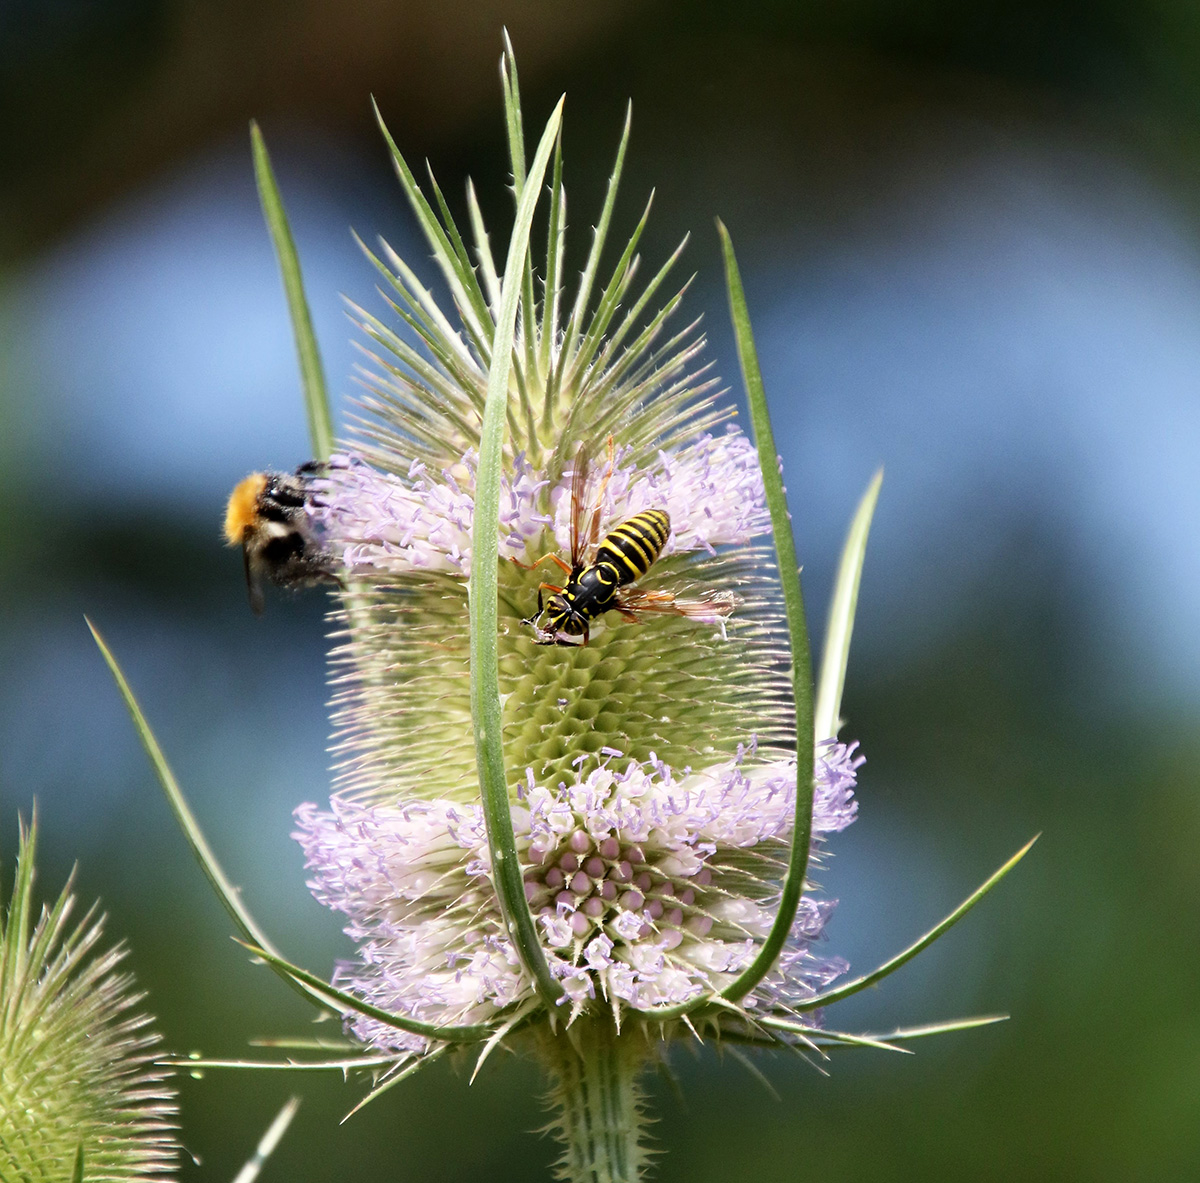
column 626, row 553
column 287, row 554
column 267, row 516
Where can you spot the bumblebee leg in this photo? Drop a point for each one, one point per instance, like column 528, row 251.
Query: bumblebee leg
column 253, row 583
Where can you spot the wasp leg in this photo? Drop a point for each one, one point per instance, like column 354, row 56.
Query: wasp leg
column 534, row 617
column 550, row 587
column 612, row 461
column 566, row 569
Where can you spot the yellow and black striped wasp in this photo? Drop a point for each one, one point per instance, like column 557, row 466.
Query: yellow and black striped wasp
column 601, row 569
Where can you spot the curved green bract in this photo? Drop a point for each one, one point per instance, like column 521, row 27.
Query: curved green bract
column 347, row 1064
column 793, row 599
column 838, row 631
column 312, row 987
column 312, row 374
column 213, row 872
column 486, row 714
column 267, row 1144
column 342, row 1002
column 890, row 966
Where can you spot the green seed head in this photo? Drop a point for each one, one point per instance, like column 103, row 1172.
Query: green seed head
column 77, row 1069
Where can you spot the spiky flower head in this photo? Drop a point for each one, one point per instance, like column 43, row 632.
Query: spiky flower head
column 651, row 770
column 77, row 1068
column 576, row 804
column 578, row 815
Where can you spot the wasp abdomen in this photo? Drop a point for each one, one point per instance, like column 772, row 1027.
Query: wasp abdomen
column 632, row 547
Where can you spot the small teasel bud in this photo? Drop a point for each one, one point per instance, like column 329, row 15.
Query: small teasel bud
column 78, row 1077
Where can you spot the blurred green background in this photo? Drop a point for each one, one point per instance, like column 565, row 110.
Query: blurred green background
column 969, row 236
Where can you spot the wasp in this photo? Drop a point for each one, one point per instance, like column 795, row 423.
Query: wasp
column 601, row 569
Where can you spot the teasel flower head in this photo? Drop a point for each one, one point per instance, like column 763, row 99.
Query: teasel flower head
column 582, row 771
column 651, row 771
column 547, row 821
column 78, row 1077
column 649, row 888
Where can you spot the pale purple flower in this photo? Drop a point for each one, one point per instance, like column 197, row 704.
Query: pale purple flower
column 650, row 887
column 421, row 521
column 712, row 488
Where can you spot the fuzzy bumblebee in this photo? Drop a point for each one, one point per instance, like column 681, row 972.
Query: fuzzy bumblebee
column 267, row 516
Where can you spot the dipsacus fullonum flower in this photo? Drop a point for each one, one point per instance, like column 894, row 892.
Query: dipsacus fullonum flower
column 652, row 770
column 650, row 887
column 566, row 814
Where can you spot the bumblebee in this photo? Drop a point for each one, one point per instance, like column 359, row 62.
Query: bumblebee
column 601, row 569
column 267, row 516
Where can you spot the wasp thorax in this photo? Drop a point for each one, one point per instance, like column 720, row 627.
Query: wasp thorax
column 585, row 887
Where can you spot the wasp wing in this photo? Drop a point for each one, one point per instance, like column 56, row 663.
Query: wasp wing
column 712, row 607
column 579, row 501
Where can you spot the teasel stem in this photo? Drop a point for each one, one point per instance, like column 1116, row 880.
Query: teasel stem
column 600, row 1122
